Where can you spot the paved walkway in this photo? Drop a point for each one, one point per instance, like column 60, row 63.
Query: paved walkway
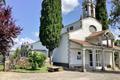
column 64, row 75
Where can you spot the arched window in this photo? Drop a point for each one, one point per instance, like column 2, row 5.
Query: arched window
column 92, row 28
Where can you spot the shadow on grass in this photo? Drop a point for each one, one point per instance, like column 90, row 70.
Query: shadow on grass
column 39, row 70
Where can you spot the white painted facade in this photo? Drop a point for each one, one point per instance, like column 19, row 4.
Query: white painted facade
column 83, row 44
column 84, row 28
column 93, row 56
column 61, row 53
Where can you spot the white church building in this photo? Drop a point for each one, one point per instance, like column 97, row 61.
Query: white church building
column 85, row 45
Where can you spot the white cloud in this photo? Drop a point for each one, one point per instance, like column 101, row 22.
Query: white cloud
column 36, row 34
column 19, row 41
column 116, row 32
column 69, row 5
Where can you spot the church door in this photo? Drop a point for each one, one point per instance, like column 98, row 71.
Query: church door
column 91, row 60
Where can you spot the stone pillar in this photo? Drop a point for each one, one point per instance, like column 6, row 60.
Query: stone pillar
column 103, row 60
column 83, row 61
column 119, row 60
column 112, row 43
column 94, row 14
column 113, row 60
column 94, row 59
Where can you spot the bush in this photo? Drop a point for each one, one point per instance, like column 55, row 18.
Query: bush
column 36, row 59
column 23, row 63
column 14, row 58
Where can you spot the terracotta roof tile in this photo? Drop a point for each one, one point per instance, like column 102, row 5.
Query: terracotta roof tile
column 96, row 34
column 83, row 43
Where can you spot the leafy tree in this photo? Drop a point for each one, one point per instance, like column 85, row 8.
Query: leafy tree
column 101, row 13
column 115, row 12
column 24, row 50
column 8, row 31
column 16, row 55
column 36, row 59
column 117, row 43
column 50, row 25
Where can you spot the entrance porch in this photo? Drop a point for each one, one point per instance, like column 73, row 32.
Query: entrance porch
column 95, row 59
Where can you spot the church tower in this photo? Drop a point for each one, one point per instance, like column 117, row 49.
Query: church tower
column 88, row 8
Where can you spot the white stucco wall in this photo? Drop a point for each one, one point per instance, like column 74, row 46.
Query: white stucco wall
column 73, row 57
column 60, row 54
column 74, row 49
column 105, row 42
column 108, row 58
column 84, row 32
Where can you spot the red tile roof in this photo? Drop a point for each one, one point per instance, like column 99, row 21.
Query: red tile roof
column 83, row 43
column 96, row 34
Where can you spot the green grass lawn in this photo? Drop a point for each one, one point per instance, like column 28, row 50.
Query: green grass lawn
column 39, row 70
column 1, row 67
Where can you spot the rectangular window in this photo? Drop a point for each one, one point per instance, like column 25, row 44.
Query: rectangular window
column 71, row 28
column 79, row 56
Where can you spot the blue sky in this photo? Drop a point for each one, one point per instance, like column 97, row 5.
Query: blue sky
column 27, row 14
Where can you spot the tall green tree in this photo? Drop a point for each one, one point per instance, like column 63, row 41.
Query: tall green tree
column 115, row 12
column 101, row 13
column 50, row 25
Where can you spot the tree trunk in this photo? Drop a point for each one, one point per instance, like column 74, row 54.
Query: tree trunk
column 50, row 57
column 6, row 65
column 4, row 59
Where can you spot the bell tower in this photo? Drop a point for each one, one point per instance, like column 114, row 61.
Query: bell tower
column 88, row 8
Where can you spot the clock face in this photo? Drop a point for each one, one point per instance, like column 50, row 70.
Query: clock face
column 92, row 28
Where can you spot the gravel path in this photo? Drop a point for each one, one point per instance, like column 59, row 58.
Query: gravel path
column 64, row 75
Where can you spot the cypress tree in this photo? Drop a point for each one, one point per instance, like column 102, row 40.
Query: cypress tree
column 101, row 13
column 50, row 25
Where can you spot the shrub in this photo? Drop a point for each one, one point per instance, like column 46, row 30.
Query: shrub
column 23, row 63
column 36, row 59
column 14, row 58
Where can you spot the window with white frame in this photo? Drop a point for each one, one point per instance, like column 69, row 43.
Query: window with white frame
column 98, row 60
column 78, row 55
